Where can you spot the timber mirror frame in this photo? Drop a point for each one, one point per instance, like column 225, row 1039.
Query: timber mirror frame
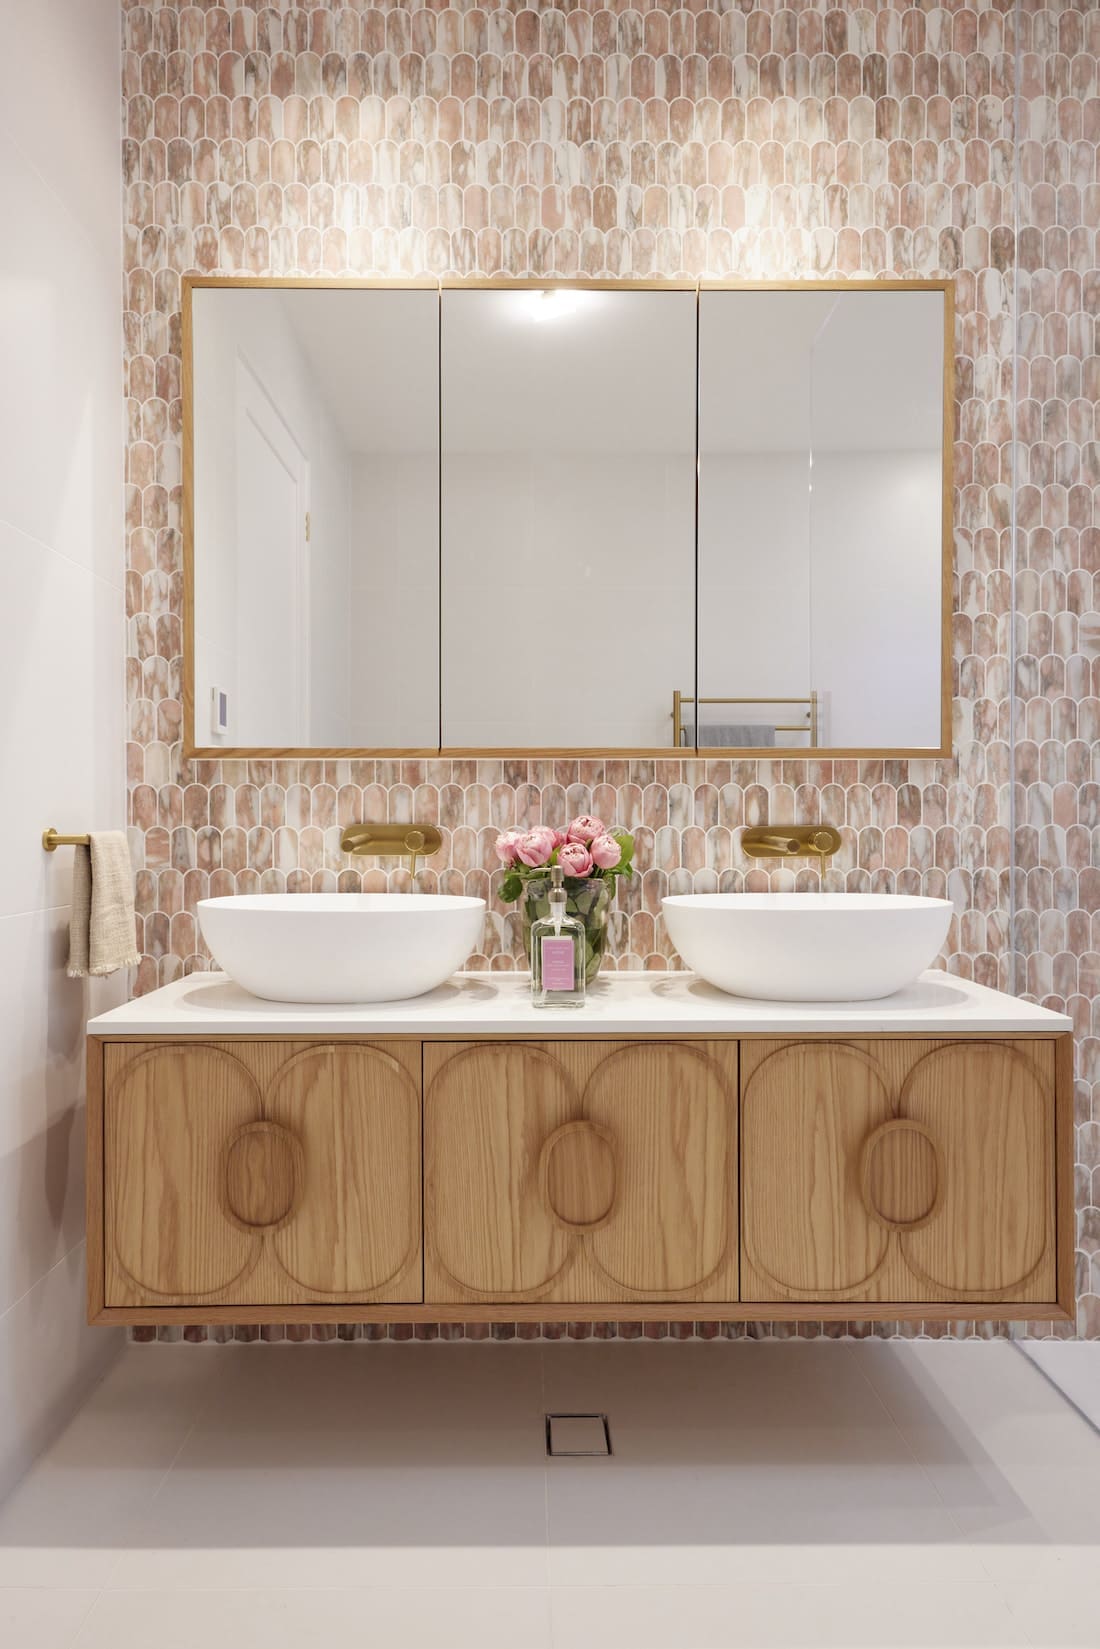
column 681, row 716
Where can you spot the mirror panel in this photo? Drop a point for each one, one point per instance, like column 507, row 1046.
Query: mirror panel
column 568, row 540
column 568, row 588
column 821, row 519
column 315, row 524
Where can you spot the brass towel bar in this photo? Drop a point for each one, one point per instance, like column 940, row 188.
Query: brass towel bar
column 51, row 840
column 811, row 700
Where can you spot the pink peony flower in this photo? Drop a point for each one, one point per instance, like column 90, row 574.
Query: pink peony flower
column 585, row 829
column 575, row 859
column 606, row 851
column 536, row 846
column 506, row 844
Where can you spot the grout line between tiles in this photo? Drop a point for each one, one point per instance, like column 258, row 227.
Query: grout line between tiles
column 114, row 1565
column 968, row 1542
column 74, row 1641
column 929, row 1479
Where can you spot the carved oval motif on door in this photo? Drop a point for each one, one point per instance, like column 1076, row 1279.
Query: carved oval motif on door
column 264, row 1175
column 901, row 1175
column 578, row 1175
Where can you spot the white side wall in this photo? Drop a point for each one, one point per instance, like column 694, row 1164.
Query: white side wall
column 829, row 588
column 61, row 651
column 395, row 601
column 568, row 609
column 754, row 581
column 876, row 559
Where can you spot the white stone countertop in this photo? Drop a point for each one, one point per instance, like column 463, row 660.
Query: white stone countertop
column 625, row 1004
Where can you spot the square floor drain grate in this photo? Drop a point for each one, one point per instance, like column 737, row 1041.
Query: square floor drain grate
column 577, row 1434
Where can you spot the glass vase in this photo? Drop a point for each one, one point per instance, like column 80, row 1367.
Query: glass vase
column 587, row 898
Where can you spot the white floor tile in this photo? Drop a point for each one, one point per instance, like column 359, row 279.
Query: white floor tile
column 1058, row 1616
column 42, row 1617
column 405, row 1617
column 974, row 1399
column 929, row 1496
column 358, row 1466
column 1016, row 1467
column 754, row 1615
column 762, row 1461
column 69, row 1519
column 49, row 1360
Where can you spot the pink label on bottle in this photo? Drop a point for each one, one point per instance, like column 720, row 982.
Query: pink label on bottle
column 557, row 965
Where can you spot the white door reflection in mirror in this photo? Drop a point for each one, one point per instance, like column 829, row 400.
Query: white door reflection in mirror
column 821, row 518
column 568, row 555
column 315, row 516
column 272, row 563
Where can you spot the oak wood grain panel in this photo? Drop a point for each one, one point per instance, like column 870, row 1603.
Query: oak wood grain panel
column 95, row 1281
column 264, row 1172
column 168, row 1115
column 587, row 1311
column 578, row 1175
column 672, row 1108
column 929, row 1162
column 649, row 1209
column 305, row 1189
column 488, row 1112
column 991, row 1110
column 806, row 1110
column 902, row 1175
column 1065, row 1174
column 356, row 1230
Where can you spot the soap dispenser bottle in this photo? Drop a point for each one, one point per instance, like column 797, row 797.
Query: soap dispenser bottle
column 557, row 953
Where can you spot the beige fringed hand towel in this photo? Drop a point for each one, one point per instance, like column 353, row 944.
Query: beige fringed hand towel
column 101, row 921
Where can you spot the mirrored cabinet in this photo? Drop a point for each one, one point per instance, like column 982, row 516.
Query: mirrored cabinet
column 513, row 518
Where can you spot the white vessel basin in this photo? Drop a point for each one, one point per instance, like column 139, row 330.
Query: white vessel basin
column 341, row 947
column 807, row 947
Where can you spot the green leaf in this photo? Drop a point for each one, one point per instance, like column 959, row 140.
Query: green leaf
column 511, row 887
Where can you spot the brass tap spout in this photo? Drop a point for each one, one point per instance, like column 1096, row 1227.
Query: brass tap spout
column 790, row 842
column 391, row 841
column 778, row 844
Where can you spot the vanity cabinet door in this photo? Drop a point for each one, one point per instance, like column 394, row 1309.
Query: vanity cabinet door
column 899, row 1171
column 580, row 1171
column 261, row 1173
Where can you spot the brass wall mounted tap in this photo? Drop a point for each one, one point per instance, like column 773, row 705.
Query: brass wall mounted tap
column 790, row 841
column 391, row 841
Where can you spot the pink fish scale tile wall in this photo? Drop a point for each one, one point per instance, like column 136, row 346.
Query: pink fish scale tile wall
column 655, row 139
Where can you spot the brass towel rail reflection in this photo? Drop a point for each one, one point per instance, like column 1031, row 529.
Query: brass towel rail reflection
column 52, row 840
column 809, row 699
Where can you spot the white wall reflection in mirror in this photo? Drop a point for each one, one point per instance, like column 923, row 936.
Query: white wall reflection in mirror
column 316, row 516
column 820, row 518
column 568, row 543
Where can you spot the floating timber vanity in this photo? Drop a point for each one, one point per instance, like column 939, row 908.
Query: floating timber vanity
column 669, row 1153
